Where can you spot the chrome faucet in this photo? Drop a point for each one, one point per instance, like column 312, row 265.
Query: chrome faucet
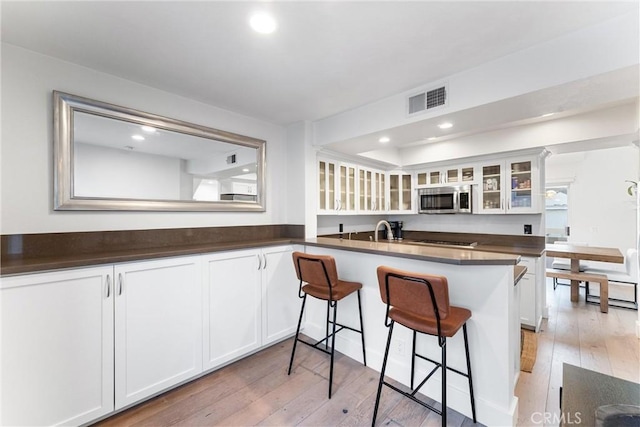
column 354, row 231
column 386, row 224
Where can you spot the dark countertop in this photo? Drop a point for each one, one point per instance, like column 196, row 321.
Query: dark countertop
column 583, row 391
column 71, row 250
column 19, row 265
column 446, row 255
column 529, row 246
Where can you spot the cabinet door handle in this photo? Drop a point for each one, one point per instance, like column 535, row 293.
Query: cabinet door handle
column 259, row 262
column 120, row 284
column 265, row 261
column 108, row 285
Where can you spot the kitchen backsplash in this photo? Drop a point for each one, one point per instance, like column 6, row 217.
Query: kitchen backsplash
column 492, row 224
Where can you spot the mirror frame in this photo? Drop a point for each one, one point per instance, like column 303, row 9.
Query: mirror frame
column 64, row 107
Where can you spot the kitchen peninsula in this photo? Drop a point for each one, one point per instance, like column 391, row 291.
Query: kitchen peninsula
column 482, row 282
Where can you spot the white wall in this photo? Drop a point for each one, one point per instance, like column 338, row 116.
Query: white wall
column 27, row 147
column 600, row 210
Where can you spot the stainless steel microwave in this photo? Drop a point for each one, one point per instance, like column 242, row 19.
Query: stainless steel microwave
column 440, row 200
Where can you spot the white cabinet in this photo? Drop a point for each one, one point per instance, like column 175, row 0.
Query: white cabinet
column 532, row 288
column 78, row 344
column 158, row 326
column 451, row 175
column 250, row 300
column 510, row 186
column 372, row 196
column 336, row 187
column 232, row 306
column 81, row 343
column 57, row 347
column 280, row 301
column 400, row 192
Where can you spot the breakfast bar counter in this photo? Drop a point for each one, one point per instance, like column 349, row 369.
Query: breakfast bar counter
column 442, row 254
column 480, row 281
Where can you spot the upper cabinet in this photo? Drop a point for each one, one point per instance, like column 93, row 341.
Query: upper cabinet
column 371, row 190
column 336, row 187
column 400, row 193
column 510, row 186
column 451, row 175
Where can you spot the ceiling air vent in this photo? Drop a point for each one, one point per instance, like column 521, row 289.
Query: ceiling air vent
column 429, row 99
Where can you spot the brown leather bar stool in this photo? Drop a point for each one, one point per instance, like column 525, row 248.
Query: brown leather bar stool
column 321, row 277
column 420, row 302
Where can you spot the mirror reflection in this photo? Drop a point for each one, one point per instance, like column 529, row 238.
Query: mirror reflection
column 124, row 159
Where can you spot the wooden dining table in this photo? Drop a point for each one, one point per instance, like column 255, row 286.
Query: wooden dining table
column 577, row 253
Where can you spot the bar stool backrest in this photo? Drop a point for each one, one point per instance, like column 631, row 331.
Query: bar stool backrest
column 423, row 295
column 317, row 270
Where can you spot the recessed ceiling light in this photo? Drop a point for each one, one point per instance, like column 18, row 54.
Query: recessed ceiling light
column 384, row 139
column 245, row 170
column 547, row 115
column 262, row 23
column 445, row 125
column 148, row 129
column 431, row 138
column 137, row 137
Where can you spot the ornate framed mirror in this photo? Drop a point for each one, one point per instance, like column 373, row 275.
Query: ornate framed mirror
column 109, row 157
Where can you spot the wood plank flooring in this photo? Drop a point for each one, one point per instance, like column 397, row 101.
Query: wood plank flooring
column 258, row 391
column 579, row 334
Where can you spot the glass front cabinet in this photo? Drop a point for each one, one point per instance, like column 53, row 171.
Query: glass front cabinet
column 509, row 186
column 372, row 196
column 400, row 192
column 452, row 175
column 336, row 187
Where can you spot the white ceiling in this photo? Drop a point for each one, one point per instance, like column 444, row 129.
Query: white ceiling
column 325, row 58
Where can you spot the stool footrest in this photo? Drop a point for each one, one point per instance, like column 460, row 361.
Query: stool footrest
column 412, row 397
column 314, row 345
column 438, row 364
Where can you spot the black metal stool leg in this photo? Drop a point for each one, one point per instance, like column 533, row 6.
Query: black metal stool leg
column 413, row 358
column 333, row 346
column 295, row 340
column 466, row 350
column 364, row 354
column 326, row 343
column 384, row 367
column 444, row 382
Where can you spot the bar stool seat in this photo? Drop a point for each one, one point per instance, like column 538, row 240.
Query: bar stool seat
column 448, row 327
column 420, row 302
column 320, row 274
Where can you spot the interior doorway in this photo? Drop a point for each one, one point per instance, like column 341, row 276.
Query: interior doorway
column 557, row 212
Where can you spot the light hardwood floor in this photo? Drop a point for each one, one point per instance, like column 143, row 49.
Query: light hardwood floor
column 257, row 390
column 577, row 334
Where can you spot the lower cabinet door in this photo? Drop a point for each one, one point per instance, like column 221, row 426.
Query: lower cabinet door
column 158, row 326
column 56, row 334
column 281, row 304
column 231, row 305
column 527, row 300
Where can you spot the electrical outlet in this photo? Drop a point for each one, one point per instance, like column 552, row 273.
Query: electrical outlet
column 401, row 347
